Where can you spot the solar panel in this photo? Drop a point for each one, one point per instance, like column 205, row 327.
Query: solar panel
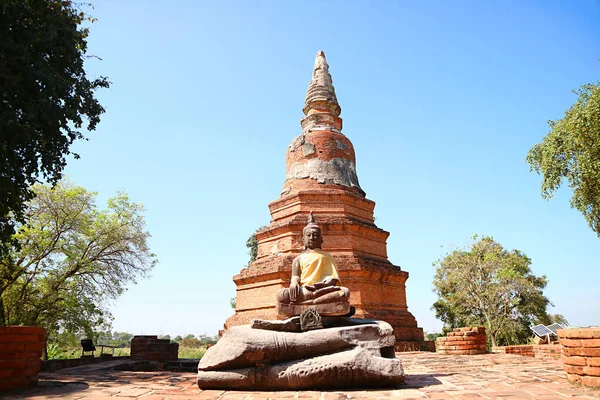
column 541, row 330
column 555, row 327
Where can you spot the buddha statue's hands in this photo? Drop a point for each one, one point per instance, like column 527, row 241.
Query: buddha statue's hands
column 329, row 281
column 295, row 289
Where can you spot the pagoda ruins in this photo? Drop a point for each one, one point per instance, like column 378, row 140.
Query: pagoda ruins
column 321, row 177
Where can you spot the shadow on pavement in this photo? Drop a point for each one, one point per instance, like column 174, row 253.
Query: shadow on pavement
column 418, row 381
column 47, row 388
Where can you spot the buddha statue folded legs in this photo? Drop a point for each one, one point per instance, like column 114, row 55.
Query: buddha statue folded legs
column 315, row 281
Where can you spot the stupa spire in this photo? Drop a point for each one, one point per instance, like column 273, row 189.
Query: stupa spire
column 321, row 154
column 320, row 96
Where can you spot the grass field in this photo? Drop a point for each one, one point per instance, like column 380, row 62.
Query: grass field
column 191, row 352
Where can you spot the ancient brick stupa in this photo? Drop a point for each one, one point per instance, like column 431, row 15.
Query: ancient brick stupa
column 321, row 177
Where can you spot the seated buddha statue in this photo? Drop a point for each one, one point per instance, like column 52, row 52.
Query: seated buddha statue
column 315, row 281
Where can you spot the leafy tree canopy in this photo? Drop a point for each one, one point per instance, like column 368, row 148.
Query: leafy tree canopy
column 571, row 151
column 45, row 98
column 487, row 285
column 72, row 258
column 432, row 335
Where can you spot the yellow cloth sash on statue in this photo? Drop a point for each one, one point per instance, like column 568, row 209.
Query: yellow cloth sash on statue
column 315, row 266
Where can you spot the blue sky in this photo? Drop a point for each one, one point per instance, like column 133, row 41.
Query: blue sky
column 442, row 101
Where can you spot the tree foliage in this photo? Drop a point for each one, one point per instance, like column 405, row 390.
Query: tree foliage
column 45, row 98
column 571, row 151
column 72, row 258
column 487, row 285
column 252, row 245
column 192, row 341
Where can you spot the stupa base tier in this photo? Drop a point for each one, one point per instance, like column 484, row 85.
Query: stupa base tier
column 347, row 236
column 245, row 317
column 348, row 264
column 403, row 322
column 325, row 201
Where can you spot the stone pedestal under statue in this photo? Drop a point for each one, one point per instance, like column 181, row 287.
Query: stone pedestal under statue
column 358, row 354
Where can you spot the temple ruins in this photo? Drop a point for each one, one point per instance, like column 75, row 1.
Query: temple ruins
column 321, row 177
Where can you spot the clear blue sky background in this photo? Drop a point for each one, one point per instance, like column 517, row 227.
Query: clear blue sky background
column 442, row 101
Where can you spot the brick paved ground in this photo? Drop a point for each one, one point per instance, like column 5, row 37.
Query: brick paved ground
column 428, row 376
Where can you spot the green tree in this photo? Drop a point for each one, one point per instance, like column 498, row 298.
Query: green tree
column 487, row 285
column 206, row 340
column 122, row 339
column 571, row 151
column 177, row 338
column 252, row 245
column 72, row 258
column 45, row 98
column 190, row 341
column 558, row 319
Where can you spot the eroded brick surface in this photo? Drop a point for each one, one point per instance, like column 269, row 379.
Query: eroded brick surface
column 581, row 355
column 463, row 341
column 20, row 352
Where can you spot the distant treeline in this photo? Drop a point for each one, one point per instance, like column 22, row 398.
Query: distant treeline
column 123, row 339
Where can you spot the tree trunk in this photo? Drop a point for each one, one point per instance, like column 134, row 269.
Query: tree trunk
column 493, row 338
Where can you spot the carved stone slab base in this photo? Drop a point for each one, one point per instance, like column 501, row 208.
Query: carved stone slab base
column 326, row 310
column 356, row 356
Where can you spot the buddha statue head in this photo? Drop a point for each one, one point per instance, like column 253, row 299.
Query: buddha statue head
column 311, row 234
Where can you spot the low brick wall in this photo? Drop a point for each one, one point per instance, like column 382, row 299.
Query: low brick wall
column 21, row 349
column 552, row 351
column 151, row 348
column 463, row 341
column 581, row 355
column 402, row 347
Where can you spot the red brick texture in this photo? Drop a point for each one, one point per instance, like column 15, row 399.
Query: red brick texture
column 549, row 351
column 463, row 341
column 581, row 355
column 151, row 348
column 21, row 349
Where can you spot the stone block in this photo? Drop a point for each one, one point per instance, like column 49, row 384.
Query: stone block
column 339, row 357
column 151, row 348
